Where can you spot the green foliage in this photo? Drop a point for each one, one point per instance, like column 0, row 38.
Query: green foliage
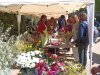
column 10, row 20
column 74, row 68
column 97, row 5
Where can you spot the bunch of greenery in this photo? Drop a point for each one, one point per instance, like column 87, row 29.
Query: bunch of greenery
column 74, row 68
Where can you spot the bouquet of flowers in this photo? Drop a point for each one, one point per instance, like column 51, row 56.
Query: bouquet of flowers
column 45, row 69
column 22, row 46
column 27, row 42
column 56, row 68
column 42, row 68
column 51, row 58
column 29, row 59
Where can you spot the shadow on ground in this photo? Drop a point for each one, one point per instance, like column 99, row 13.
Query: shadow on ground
column 96, row 58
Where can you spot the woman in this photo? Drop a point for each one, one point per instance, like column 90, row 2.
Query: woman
column 75, row 26
column 62, row 22
column 42, row 29
column 82, row 39
column 69, row 26
column 51, row 25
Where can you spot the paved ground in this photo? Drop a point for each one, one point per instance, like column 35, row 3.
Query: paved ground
column 95, row 57
column 14, row 72
column 96, row 53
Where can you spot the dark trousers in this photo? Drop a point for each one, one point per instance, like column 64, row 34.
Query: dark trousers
column 82, row 50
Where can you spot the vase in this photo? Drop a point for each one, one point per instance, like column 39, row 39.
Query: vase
column 6, row 71
column 29, row 71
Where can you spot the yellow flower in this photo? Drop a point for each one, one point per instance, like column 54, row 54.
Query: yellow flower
column 21, row 45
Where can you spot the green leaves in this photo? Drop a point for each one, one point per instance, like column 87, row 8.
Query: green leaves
column 97, row 5
column 74, row 69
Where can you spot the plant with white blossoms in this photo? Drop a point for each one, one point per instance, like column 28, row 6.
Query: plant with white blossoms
column 29, row 59
column 8, row 51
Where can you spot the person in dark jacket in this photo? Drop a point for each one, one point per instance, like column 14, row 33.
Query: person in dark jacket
column 62, row 22
column 82, row 39
column 96, row 30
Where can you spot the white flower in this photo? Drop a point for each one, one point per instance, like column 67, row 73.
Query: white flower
column 32, row 53
column 23, row 54
column 37, row 52
column 28, row 53
column 40, row 55
column 59, row 64
column 62, row 68
column 53, row 62
column 55, row 55
column 32, row 65
column 28, row 59
column 36, row 60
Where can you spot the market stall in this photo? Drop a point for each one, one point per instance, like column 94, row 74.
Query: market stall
column 49, row 9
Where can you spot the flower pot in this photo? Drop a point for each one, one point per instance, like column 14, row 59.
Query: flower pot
column 6, row 71
column 29, row 71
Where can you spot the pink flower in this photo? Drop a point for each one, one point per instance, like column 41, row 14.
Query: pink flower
column 62, row 64
column 63, row 29
column 51, row 73
column 43, row 69
column 53, row 57
column 58, row 57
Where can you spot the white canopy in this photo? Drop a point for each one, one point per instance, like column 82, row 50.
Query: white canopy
column 39, row 9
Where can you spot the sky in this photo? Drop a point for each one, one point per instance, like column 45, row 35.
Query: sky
column 31, row 0
column 5, row 2
column 28, row 1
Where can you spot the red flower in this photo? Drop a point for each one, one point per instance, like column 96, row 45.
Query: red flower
column 58, row 57
column 53, row 57
column 38, row 66
column 48, row 54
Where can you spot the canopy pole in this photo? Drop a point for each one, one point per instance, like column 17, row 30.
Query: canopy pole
column 18, row 22
column 90, row 16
